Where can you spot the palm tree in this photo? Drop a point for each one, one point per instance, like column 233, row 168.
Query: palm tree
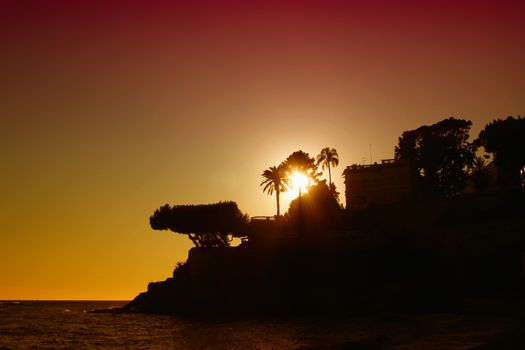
column 275, row 179
column 479, row 174
column 302, row 162
column 478, row 164
column 327, row 158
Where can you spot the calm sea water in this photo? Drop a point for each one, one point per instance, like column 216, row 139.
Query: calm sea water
column 70, row 325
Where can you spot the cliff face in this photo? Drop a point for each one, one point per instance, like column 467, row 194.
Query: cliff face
column 211, row 279
column 276, row 276
column 348, row 271
column 304, row 280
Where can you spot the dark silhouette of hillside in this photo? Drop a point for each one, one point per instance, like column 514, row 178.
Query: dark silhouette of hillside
column 420, row 246
column 424, row 256
column 432, row 250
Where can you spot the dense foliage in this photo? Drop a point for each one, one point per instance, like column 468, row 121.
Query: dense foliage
column 302, row 162
column 440, row 155
column 479, row 174
column 207, row 225
column 316, row 210
column 506, row 140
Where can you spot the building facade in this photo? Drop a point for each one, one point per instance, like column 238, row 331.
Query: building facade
column 387, row 182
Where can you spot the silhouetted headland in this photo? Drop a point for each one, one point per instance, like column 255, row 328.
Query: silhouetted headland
column 432, row 230
column 420, row 256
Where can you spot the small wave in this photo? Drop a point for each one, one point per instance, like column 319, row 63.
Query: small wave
column 15, row 302
column 67, row 310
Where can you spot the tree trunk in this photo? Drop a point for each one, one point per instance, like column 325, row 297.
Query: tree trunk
column 329, row 175
column 278, row 206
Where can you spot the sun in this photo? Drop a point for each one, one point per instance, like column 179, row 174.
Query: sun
column 299, row 184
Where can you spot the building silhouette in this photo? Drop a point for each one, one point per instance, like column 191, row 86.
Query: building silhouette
column 384, row 183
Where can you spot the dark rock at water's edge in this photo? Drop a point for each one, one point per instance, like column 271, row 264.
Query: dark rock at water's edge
column 416, row 257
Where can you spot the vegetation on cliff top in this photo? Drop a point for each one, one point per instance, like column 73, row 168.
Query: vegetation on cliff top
column 207, row 225
column 443, row 162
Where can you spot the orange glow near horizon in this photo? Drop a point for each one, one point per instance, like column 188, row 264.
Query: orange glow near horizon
column 113, row 109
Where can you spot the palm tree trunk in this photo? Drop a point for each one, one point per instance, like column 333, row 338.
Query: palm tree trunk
column 278, row 206
column 329, row 175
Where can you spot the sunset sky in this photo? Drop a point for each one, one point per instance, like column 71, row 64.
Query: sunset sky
column 112, row 109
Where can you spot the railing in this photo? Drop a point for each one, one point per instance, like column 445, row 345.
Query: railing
column 259, row 218
column 372, row 166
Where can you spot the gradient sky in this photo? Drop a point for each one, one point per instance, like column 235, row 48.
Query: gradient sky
column 111, row 109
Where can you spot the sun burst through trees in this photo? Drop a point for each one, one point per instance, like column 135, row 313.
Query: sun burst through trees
column 293, row 176
column 300, row 183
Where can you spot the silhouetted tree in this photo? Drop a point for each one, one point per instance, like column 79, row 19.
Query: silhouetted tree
column 275, row 179
column 479, row 174
column 334, row 191
column 302, row 162
column 207, row 225
column 506, row 140
column 440, row 155
column 328, row 158
column 317, row 209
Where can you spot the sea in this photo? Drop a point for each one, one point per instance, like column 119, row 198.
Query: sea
column 71, row 325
